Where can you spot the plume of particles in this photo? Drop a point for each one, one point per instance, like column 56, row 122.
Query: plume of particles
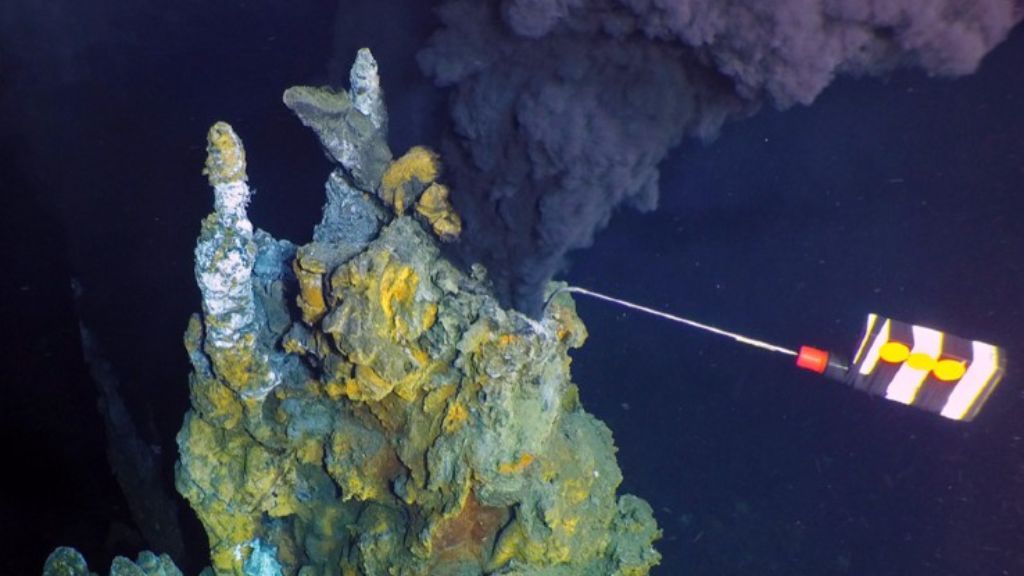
column 563, row 109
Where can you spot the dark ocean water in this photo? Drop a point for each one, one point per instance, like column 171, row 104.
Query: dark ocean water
column 900, row 196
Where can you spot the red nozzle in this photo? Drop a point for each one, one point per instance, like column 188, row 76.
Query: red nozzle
column 812, row 359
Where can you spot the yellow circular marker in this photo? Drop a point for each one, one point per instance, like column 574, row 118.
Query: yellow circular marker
column 949, row 370
column 920, row 361
column 894, row 352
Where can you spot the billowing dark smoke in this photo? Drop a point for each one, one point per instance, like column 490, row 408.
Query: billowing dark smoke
column 562, row 109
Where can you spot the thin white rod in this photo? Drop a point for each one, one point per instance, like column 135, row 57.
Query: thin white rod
column 737, row 337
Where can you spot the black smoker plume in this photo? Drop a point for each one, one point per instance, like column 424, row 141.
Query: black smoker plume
column 562, row 109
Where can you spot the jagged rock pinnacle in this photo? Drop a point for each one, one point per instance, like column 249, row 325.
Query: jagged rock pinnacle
column 352, row 128
column 225, row 253
column 367, row 95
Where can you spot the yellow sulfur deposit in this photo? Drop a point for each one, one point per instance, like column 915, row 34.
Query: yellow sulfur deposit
column 309, row 271
column 408, row 176
column 434, row 206
column 225, row 160
column 516, row 466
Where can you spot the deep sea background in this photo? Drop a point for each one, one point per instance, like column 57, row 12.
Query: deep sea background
column 901, row 196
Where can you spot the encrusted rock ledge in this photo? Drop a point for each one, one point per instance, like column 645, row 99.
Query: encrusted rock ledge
column 361, row 406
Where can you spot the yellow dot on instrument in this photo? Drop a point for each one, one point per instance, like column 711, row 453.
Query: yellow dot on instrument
column 920, row 361
column 894, row 352
column 949, row 370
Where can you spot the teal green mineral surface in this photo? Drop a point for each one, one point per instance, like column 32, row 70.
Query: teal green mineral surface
column 68, row 562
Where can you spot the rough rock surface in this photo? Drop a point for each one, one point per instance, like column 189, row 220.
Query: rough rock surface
column 352, row 126
column 66, row 561
column 360, row 406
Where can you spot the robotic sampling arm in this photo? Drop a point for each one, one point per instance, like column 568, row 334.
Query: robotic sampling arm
column 913, row 365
